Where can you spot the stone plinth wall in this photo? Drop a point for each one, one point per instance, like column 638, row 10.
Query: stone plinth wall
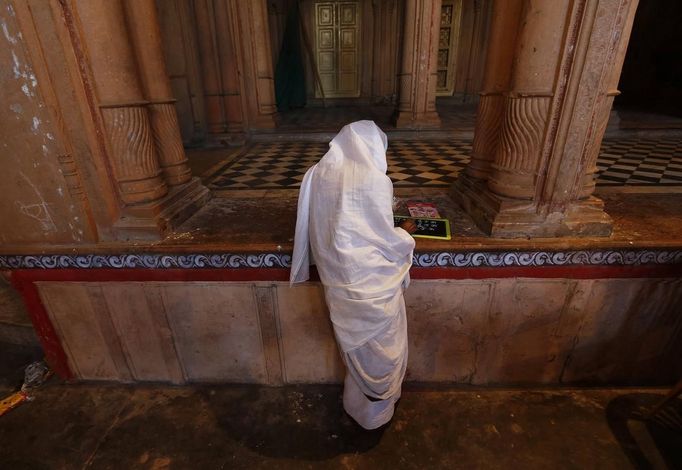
column 481, row 332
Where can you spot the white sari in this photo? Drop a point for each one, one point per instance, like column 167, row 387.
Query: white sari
column 345, row 227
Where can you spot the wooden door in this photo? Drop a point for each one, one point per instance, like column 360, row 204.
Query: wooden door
column 448, row 42
column 337, row 46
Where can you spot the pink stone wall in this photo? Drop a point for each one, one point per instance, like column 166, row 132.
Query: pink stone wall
column 480, row 332
column 40, row 188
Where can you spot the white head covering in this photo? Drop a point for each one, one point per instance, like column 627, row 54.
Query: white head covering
column 345, row 220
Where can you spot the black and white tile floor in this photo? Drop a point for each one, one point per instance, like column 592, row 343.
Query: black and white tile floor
column 636, row 162
column 281, row 165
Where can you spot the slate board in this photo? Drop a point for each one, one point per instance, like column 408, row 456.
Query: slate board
column 427, row 228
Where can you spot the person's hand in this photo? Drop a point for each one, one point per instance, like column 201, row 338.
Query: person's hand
column 408, row 225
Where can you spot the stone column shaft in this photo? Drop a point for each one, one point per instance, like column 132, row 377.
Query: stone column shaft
column 249, row 23
column 608, row 91
column 418, row 74
column 496, row 80
column 122, row 102
column 527, row 103
column 262, row 58
column 229, row 67
column 146, row 38
column 210, row 68
column 567, row 60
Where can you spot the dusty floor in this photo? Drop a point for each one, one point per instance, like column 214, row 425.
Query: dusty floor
column 204, row 427
column 640, row 220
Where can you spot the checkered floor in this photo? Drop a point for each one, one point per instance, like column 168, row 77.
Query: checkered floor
column 623, row 162
column 639, row 162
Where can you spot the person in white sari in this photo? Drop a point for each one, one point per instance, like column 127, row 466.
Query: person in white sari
column 345, row 227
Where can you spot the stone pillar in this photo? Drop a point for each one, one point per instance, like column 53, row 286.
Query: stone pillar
column 418, row 75
column 594, row 60
column 567, row 58
column 118, row 77
column 229, row 68
column 146, row 38
column 607, row 93
column 121, row 100
column 482, row 17
column 526, row 104
column 496, row 80
column 210, row 68
column 249, row 23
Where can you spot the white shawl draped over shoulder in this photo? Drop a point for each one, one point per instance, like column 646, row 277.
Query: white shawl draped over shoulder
column 345, row 227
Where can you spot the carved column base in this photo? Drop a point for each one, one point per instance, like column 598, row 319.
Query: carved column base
column 411, row 120
column 154, row 221
column 168, row 143
column 133, row 154
column 502, row 217
column 512, row 183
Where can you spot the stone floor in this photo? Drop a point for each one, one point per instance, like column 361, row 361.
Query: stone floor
column 204, row 427
column 644, row 163
column 254, row 220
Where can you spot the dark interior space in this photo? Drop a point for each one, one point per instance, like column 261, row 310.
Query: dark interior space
column 651, row 80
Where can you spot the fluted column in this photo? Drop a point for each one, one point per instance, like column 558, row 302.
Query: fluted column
column 496, row 80
column 121, row 100
column 146, row 38
column 527, row 103
column 566, row 62
column 418, row 74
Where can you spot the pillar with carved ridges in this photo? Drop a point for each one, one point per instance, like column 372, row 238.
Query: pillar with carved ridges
column 496, row 80
column 527, row 103
column 121, row 99
column 418, row 72
column 567, row 61
column 146, row 38
column 210, row 66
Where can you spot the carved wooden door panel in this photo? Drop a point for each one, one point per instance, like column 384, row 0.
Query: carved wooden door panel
column 337, row 46
column 448, row 42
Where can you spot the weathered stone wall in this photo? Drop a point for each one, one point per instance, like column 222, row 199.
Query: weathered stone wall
column 40, row 188
column 482, row 332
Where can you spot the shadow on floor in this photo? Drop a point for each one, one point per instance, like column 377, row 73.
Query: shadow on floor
column 309, row 424
column 13, row 361
column 112, row 426
column 648, row 443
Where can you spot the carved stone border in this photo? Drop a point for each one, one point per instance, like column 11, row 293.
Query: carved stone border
column 499, row 259
column 450, row 259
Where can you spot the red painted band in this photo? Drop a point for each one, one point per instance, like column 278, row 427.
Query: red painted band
column 550, row 272
column 52, row 347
